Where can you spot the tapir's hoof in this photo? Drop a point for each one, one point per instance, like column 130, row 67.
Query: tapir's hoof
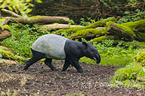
column 80, row 71
column 25, row 69
column 54, row 69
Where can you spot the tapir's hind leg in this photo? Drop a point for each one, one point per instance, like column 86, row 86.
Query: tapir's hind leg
column 66, row 64
column 36, row 56
column 48, row 63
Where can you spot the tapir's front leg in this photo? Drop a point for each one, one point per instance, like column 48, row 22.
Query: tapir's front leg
column 77, row 66
column 66, row 64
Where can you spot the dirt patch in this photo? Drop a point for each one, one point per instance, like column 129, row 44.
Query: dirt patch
column 41, row 80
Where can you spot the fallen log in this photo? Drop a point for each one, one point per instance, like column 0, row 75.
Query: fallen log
column 38, row 20
column 121, row 31
column 77, row 30
column 89, row 33
column 59, row 26
column 101, row 23
column 138, row 28
column 129, row 30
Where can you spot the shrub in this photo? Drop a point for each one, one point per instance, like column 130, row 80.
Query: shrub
column 132, row 75
column 132, row 17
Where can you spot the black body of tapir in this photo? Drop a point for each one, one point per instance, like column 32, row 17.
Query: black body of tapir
column 51, row 46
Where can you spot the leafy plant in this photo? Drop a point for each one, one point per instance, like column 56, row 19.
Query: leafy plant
column 130, row 17
column 22, row 7
column 108, row 43
column 89, row 21
column 84, row 23
column 132, row 75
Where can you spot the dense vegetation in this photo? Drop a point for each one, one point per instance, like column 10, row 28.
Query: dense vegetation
column 112, row 53
column 122, row 52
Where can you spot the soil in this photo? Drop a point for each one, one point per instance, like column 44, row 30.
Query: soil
column 41, row 80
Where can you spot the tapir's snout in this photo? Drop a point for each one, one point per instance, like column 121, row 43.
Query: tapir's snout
column 97, row 58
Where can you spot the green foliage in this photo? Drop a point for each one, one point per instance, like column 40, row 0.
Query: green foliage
column 86, row 23
column 132, row 75
column 22, row 7
column 102, row 23
column 140, row 57
column 71, row 22
column 132, row 17
column 10, row 55
column 108, row 43
column 23, row 36
column 2, row 25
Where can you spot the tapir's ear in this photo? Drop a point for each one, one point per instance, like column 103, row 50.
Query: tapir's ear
column 84, row 43
column 91, row 42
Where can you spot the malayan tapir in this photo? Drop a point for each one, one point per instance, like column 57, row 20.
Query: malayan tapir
column 51, row 46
